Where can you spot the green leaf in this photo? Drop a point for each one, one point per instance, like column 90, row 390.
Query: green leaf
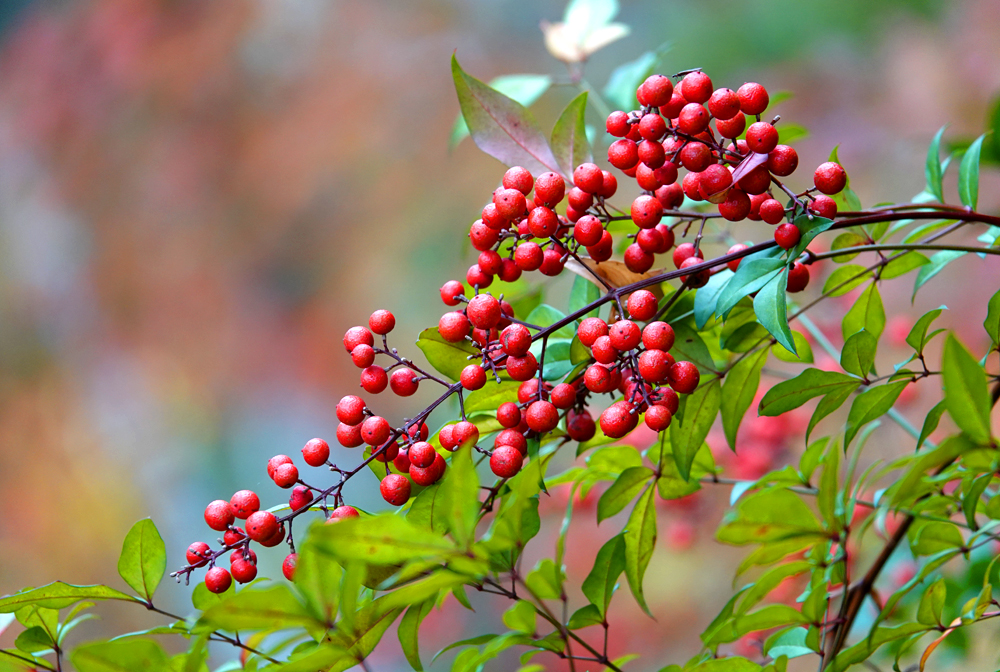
column 830, row 402
column 937, row 263
column 933, row 170
column 811, row 226
column 317, row 576
column 928, row 538
column 970, row 502
column 622, row 491
column 917, row 337
column 858, row 354
column 583, row 293
column 846, row 278
column 121, row 655
column 769, row 306
column 968, row 174
column 696, row 415
column 871, row 405
column 965, row 392
column 58, row 595
column 599, row 586
column 525, row 89
column 569, row 136
column 765, row 618
column 706, row 298
column 811, row 383
column 689, row 345
column 409, row 627
column 867, row 646
column 501, row 126
column 545, row 580
column 930, row 422
column 750, row 276
column 545, row 316
column 738, row 392
column 640, row 538
column 143, row 559
column 932, row 603
column 585, row 617
column 491, row 396
column 802, row 347
column 826, row 499
column 521, row 617
column 460, row 497
column 992, row 322
column 381, row 540
column 272, row 608
column 33, row 640
column 626, row 78
column 448, row 359
column 867, row 313
column 202, row 598
column 845, row 241
column 773, row 514
column 903, row 264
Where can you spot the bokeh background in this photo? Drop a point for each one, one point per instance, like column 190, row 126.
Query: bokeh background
column 197, row 199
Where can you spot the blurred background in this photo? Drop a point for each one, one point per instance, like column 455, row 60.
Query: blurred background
column 197, row 199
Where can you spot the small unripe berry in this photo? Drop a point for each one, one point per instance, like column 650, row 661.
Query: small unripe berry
column 286, row 475
column 830, row 178
column 542, row 416
column 684, row 377
column 753, row 98
column 316, row 452
column 197, row 554
column 403, row 382
column 355, row 336
column 300, row 497
column 276, row 462
column 473, row 377
column 642, row 305
column 382, row 322
column 374, row 379
column 218, row 580
column 787, row 236
column 243, row 503
column 342, row 513
column 288, row 566
column 506, row 461
column 349, row 436
column 454, row 327
column 261, row 526
column 395, row 489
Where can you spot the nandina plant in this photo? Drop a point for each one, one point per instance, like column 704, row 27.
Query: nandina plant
column 678, row 350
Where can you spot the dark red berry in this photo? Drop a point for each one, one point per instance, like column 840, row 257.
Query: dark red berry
column 736, row 206
column 731, row 128
column 622, row 154
column 798, row 277
column 288, row 566
column 464, row 433
column 591, row 328
column 658, row 418
column 782, row 161
column 261, row 526
column 683, row 251
column 658, row 336
column 684, row 377
column 697, row 279
column 642, row 305
column 616, row 420
column 512, row 438
column 824, row 206
column 787, row 236
column 506, row 461
column 830, row 178
column 647, row 211
column 762, row 137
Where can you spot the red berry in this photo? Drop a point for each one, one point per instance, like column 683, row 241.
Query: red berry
column 464, row 433
column 642, row 305
column 243, row 503
column 622, row 154
column 580, row 426
column 528, row 256
column 522, row 368
column 511, row 204
column 386, row 453
column 588, row 177
column 655, row 91
column 798, row 277
column 693, row 119
column 714, row 180
column 588, row 230
column 695, row 156
column 824, row 206
column 724, row 104
column 731, row 128
column 697, row 279
column 431, row 474
column 515, row 340
column 602, row 251
column 197, row 554
column 542, row 222
column 673, row 107
column 351, row 410
column 787, row 236
column 782, row 161
column 276, row 462
column 830, row 178
column 735, row 263
column 603, row 351
column 652, row 126
column 286, row 475
column 755, row 203
column 736, row 206
column 316, row 452
column 473, row 377
column 658, row 336
column 395, row 489
column 274, row 539
column 616, row 421
column 670, row 196
column 771, row 211
column 375, row 430
column 617, row 124
column 667, row 235
column 549, row 189
column 691, row 187
column 552, row 263
column 506, row 461
column 684, row 377
column 542, row 416
column 685, row 250
column 342, row 513
column 762, row 137
column 454, row 327
column 244, row 572
column 668, row 399
column 509, row 271
column 450, row 292
column 651, row 153
column 288, row 566
column 218, row 580
column 599, row 379
column 490, row 262
column 513, row 438
column 637, row 259
column 610, row 185
column 374, row 379
column 508, row 414
column 649, row 240
column 658, row 418
column 355, row 336
column 753, row 98
column 300, row 498
column 591, row 328
column 422, row 454
column 403, row 382
column 563, row 395
column 349, row 436
column 653, row 366
column 261, row 526
column 757, row 181
column 382, row 321
column 624, row 335
column 696, row 87
column 363, row 356
column 446, row 437
column 518, row 178
column 666, row 174
column 476, row 277
column 647, row 211
column 482, row 236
